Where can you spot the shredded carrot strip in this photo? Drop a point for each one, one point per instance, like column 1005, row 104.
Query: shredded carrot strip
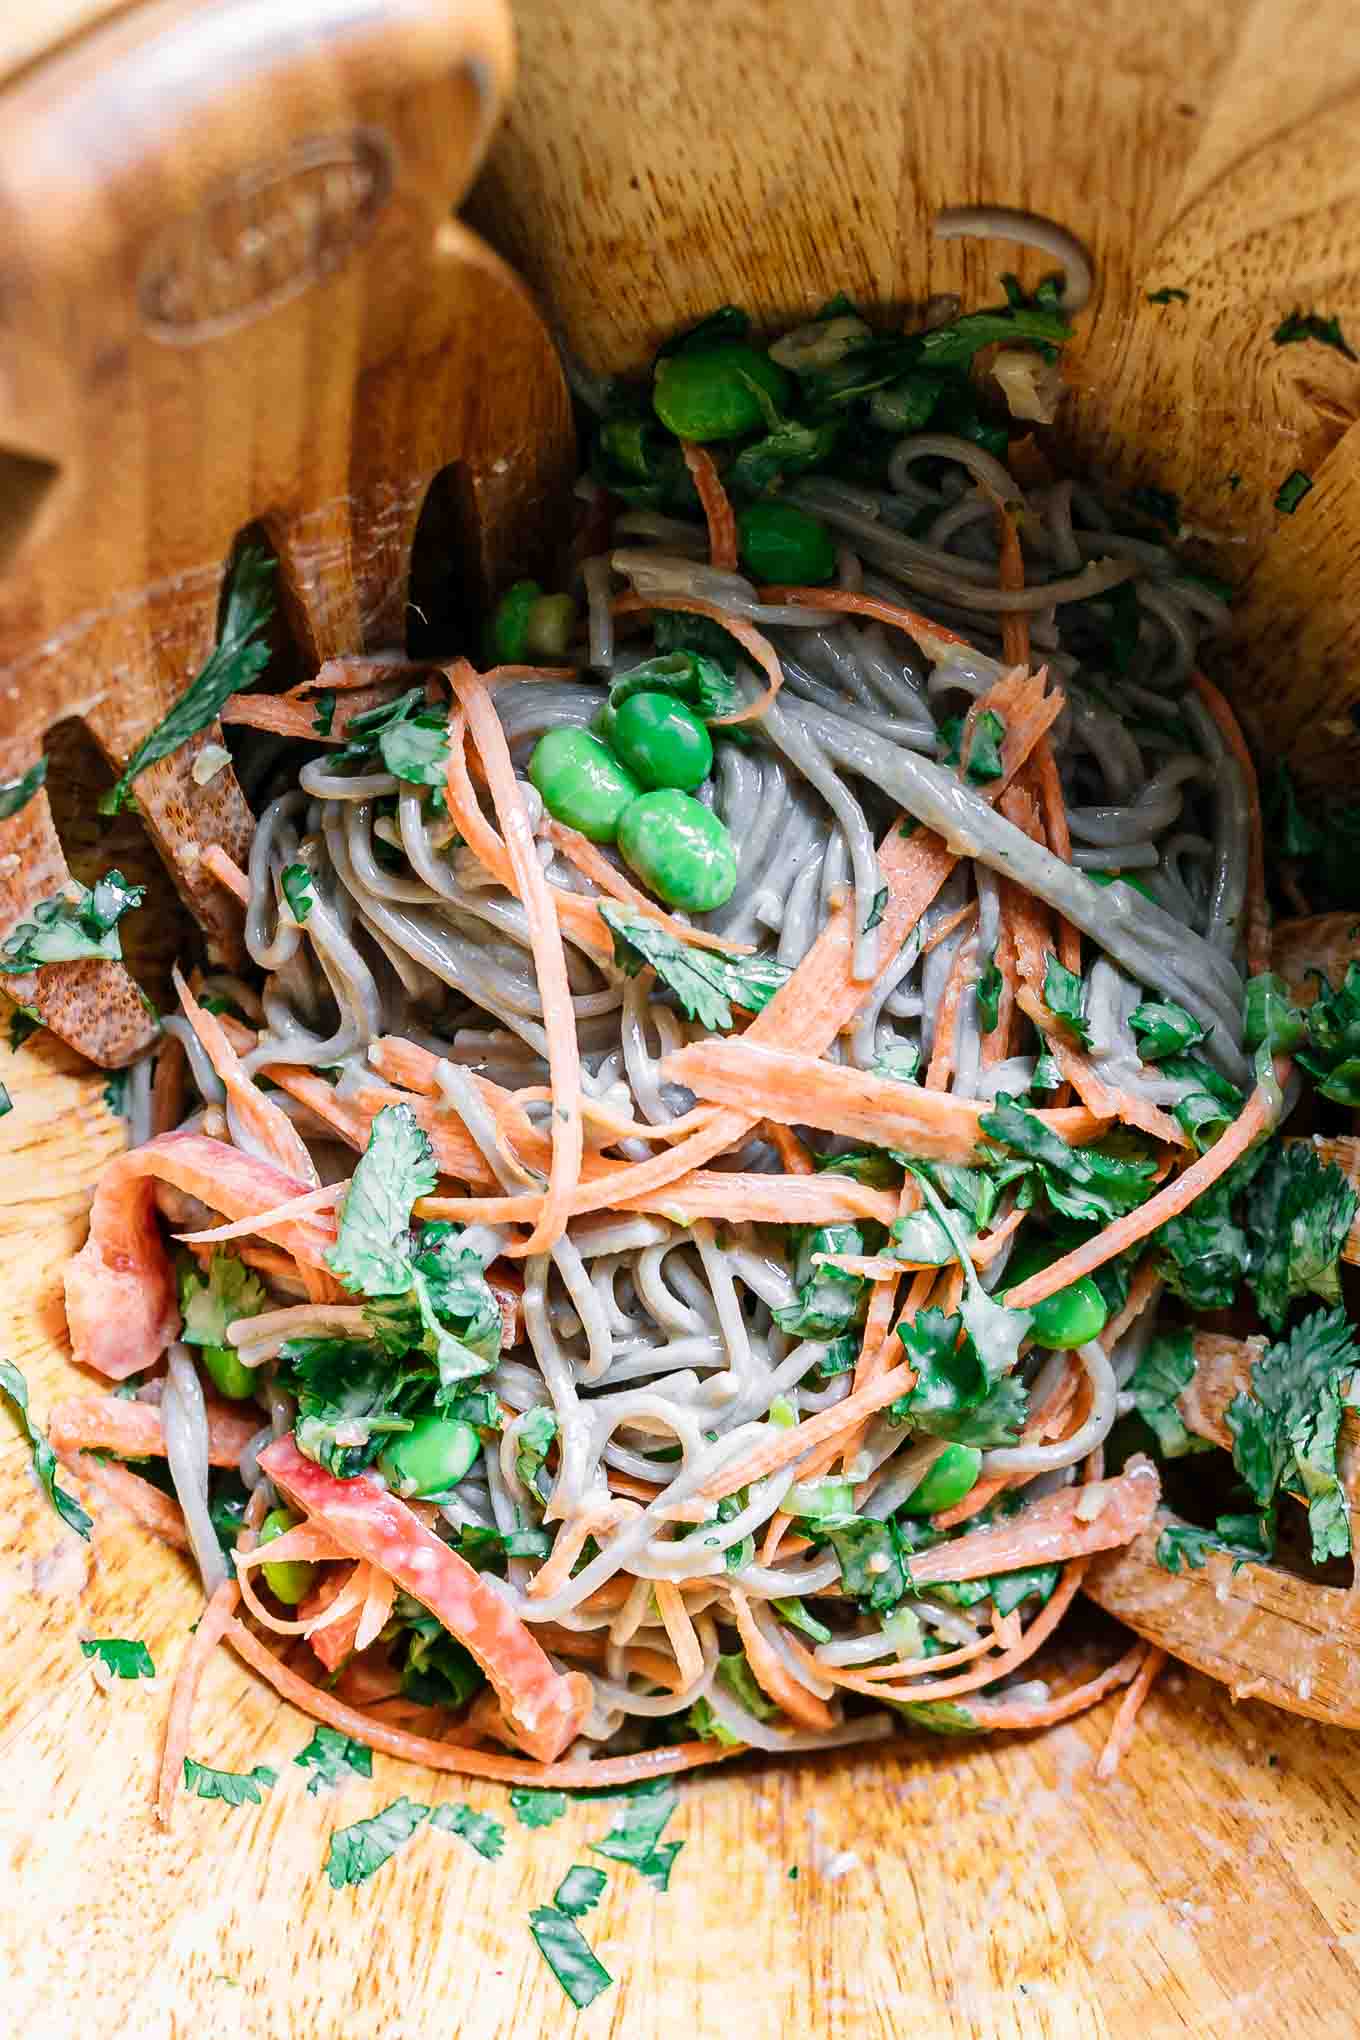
column 550, row 967
column 1258, row 912
column 324, row 1198
column 1253, row 1120
column 722, row 524
column 1142, row 1289
column 933, row 638
column 1045, row 768
column 772, row 1675
column 213, row 1624
column 822, row 1199
column 570, row 1541
column 941, row 1065
column 1002, row 1713
column 948, row 925
column 1121, row 1735
column 680, row 1631
column 996, row 1041
column 272, row 1129
column 746, row 635
column 226, row 871
column 470, row 1763
column 770, row 1455
column 870, row 1679
column 289, row 716
column 1110, row 1101
column 793, row 1156
column 594, row 865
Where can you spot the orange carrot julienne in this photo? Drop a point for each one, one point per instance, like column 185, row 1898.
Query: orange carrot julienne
column 226, row 871
column 545, row 942
column 722, row 524
column 941, row 1066
column 270, row 1128
column 875, row 608
column 772, row 1675
column 212, row 1627
column 772, row 1454
column 1253, row 1120
column 747, row 636
column 1121, row 1735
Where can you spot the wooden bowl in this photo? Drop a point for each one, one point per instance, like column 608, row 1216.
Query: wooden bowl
column 657, row 160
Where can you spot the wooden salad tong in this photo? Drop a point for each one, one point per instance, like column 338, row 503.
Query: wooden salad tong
column 234, row 300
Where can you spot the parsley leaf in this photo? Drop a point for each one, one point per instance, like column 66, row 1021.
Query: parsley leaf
column 1065, row 997
column 635, row 1836
column 229, row 1291
column 703, row 980
column 1292, row 491
column 478, row 1830
column 987, row 991
column 13, row 1384
column 568, row 1954
column 15, row 794
column 125, row 1658
column 371, row 1252
column 700, row 682
column 1164, row 1029
column 1301, row 325
column 240, row 655
column 535, row 1809
column 1298, row 1212
column 332, row 1757
column 355, row 1852
column 66, row 930
column 1164, row 1372
column 233, row 1788
column 1285, row 1430
column 579, row 1890
column 296, row 881
column 1092, row 1183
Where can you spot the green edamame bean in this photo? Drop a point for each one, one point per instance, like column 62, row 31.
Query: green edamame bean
column 431, row 1457
column 946, row 1481
column 582, row 784
column 1123, row 878
column 290, row 1581
column 662, row 742
column 780, row 542
column 680, row 850
column 505, row 633
column 1070, row 1316
column 228, row 1373
column 548, row 627
column 705, row 393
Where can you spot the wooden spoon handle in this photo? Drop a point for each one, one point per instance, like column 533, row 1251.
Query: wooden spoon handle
column 239, row 304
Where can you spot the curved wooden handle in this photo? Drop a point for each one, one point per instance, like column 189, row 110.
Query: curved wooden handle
column 242, row 304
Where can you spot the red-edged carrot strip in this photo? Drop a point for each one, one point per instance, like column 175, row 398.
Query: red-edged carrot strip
column 468, row 1763
column 722, row 524
column 333, row 1640
column 547, row 1708
column 226, row 871
column 747, row 636
column 110, row 1423
column 1258, row 912
column 1254, row 1119
column 212, row 1627
column 1121, row 1735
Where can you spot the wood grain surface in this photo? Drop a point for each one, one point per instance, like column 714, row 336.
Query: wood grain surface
column 658, row 160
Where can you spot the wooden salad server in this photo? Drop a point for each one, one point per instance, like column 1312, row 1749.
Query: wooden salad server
column 234, row 300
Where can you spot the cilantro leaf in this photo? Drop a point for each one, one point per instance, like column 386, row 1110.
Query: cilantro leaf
column 15, row 794
column 1298, row 1212
column 706, row 1724
column 125, row 1658
column 796, row 1615
column 240, row 655
column 877, row 909
column 900, row 1063
column 1011, row 1590
column 13, row 1384
column 740, row 1681
column 296, row 881
column 438, row 1671
column 416, row 748
column 1292, row 491
column 1269, row 1017
column 356, row 1852
column 372, row 1251
column 984, row 746
column 1164, row 1372
column 23, row 1025
column 535, row 1809
column 1332, row 1057
column 828, row 1298
column 532, row 1442
column 332, row 1757
column 233, row 1788
column 987, row 992
column 1301, row 325
column 1094, row 1183
column 635, row 1836
column 1186, row 1543
column 1210, row 1107
column 871, row 1556
column 790, row 447
column 69, row 929
column 703, row 980
column 324, row 704
column 953, row 1396
column 1285, row 1430
column 1065, row 997
column 941, row 1717
column 229, row 1291
column 6, row 1102
column 1165, row 1029
column 478, row 1830
column 579, row 1890
column 349, row 1398
column 568, row 1954
column 700, row 682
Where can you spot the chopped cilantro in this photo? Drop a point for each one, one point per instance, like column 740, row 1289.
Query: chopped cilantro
column 1298, row 1212
column 532, row 1442
column 23, row 1025
column 15, row 794
column 988, row 994
column 13, row 1384
column 984, row 746
column 535, row 1809
column 796, row 1615
column 233, row 1788
column 703, row 980
column 395, row 1169
column 579, row 1890
column 635, row 1836
column 296, row 881
column 828, row 1299
column 125, row 1658
column 332, row 1757
column 1164, row 1372
column 211, row 1303
column 954, row 1396
column 740, row 1681
column 1301, row 325
column 67, row 930
column 6, row 1102
column 877, row 909
column 568, row 1954
column 478, row 1830
column 900, row 1063
column 324, row 719
column 1065, row 997
column 1186, row 1543
column 1285, row 1430
column 1094, row 1183
column 1164, row 1029
column 1292, row 491
column 1332, row 1056
column 356, row 1852
column 240, row 655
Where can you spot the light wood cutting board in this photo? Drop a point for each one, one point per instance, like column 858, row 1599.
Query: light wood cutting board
column 658, row 159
